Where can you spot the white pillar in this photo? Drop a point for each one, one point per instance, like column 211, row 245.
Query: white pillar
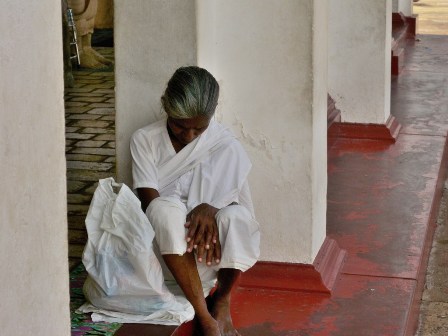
column 33, row 213
column 359, row 61
column 402, row 6
column 152, row 39
column 271, row 62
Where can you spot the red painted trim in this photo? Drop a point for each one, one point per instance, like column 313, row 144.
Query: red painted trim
column 333, row 114
column 407, row 23
column 398, row 19
column 318, row 277
column 185, row 329
column 403, row 28
column 394, row 127
column 412, row 25
column 329, row 262
column 384, row 132
column 397, row 62
column 140, row 329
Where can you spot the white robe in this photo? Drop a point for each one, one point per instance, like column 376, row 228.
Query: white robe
column 216, row 160
column 212, row 169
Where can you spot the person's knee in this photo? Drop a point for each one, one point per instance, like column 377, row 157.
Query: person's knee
column 239, row 235
column 236, row 215
column 167, row 217
column 233, row 213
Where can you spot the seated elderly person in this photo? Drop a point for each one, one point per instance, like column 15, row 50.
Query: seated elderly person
column 190, row 173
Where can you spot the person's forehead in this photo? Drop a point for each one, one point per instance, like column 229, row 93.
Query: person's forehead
column 196, row 122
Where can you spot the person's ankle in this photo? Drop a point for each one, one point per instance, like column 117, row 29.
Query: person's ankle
column 204, row 317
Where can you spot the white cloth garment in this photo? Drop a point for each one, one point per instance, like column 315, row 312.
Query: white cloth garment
column 238, row 234
column 215, row 161
column 125, row 282
column 212, row 169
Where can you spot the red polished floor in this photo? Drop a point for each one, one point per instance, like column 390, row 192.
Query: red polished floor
column 382, row 202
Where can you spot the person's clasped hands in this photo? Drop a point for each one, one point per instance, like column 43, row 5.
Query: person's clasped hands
column 203, row 234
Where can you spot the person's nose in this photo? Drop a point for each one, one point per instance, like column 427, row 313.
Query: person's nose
column 190, row 135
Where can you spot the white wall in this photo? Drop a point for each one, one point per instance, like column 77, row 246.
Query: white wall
column 403, row 6
column 395, row 6
column 319, row 124
column 152, row 39
column 33, row 217
column 359, row 59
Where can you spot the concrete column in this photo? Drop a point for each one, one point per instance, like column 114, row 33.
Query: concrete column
column 359, row 59
column 402, row 6
column 152, row 39
column 33, row 213
column 271, row 62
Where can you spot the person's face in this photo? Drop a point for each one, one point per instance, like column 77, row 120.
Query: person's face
column 186, row 130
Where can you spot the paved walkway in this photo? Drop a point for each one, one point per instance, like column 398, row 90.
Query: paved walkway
column 433, row 20
column 434, row 308
column 90, row 145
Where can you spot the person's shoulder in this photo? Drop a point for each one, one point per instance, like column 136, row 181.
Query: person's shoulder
column 150, row 131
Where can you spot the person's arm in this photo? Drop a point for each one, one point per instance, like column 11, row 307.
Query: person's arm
column 146, row 195
column 144, row 171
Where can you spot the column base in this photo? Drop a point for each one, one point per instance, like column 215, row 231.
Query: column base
column 384, row 132
column 403, row 28
column 333, row 114
column 319, row 277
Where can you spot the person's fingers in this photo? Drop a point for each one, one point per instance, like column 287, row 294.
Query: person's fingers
column 217, row 252
column 200, row 251
column 193, row 226
column 208, row 238
column 191, row 235
column 209, row 257
column 199, row 235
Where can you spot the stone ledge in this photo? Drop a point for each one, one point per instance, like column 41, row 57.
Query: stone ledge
column 317, row 277
column 384, row 132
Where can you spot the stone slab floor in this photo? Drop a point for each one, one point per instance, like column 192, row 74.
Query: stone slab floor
column 90, row 145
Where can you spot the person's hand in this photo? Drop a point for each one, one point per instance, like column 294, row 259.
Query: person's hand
column 203, row 235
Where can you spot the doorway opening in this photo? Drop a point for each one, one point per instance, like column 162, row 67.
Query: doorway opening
column 89, row 111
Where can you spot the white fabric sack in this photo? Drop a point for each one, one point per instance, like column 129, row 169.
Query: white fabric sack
column 125, row 282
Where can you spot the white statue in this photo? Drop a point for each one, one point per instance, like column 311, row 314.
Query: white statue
column 84, row 12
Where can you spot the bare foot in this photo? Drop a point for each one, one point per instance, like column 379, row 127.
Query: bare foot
column 100, row 58
column 90, row 61
column 219, row 308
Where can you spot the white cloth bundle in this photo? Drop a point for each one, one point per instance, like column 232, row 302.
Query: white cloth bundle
column 125, row 282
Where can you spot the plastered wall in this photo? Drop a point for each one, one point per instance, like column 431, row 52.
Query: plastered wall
column 359, row 59
column 270, row 60
column 273, row 86
column 33, row 240
column 152, row 39
column 403, row 6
